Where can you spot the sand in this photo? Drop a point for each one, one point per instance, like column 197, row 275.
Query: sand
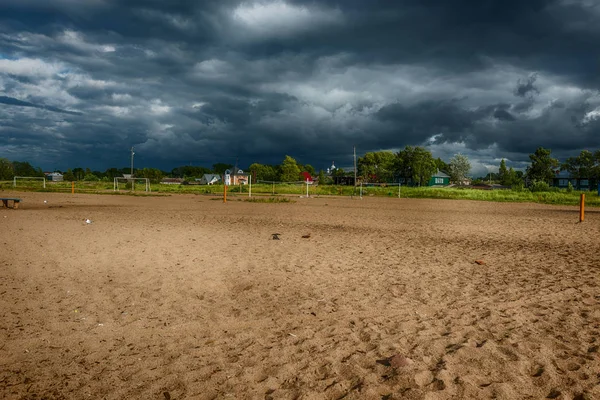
column 186, row 297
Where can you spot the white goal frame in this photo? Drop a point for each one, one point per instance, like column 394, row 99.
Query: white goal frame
column 28, row 178
column 132, row 180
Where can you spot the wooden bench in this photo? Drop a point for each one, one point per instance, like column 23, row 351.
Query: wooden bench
column 5, row 201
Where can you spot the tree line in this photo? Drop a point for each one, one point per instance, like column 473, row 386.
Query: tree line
column 412, row 165
column 9, row 169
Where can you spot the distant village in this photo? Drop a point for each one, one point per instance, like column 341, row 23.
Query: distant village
column 412, row 166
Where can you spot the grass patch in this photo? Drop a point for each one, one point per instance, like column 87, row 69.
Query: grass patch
column 554, row 196
column 269, row 200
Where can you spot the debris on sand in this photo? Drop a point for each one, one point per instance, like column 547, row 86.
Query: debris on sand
column 306, row 236
column 275, row 236
column 396, row 361
column 88, row 221
column 480, row 262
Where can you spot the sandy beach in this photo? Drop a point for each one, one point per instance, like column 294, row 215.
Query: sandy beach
column 182, row 296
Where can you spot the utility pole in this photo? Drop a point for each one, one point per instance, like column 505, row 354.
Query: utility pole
column 132, row 154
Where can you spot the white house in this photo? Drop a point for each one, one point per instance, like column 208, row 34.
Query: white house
column 236, row 177
column 209, row 179
column 54, row 177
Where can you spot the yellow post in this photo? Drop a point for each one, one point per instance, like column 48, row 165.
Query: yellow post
column 224, row 193
column 72, row 187
column 582, row 207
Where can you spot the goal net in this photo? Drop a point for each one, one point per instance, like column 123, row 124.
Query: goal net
column 298, row 187
column 131, row 184
column 29, row 180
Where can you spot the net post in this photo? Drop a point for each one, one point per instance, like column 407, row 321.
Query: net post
column 582, row 207
column 250, row 186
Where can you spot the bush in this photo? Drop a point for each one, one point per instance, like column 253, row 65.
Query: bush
column 540, row 186
column 91, row 178
column 518, row 187
column 569, row 188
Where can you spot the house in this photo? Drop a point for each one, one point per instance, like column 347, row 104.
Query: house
column 563, row 178
column 235, row 177
column 209, row 179
column 439, row 179
column 306, row 177
column 171, row 181
column 54, row 176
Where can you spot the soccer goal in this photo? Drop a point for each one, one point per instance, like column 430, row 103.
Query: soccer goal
column 297, row 187
column 132, row 181
column 29, row 178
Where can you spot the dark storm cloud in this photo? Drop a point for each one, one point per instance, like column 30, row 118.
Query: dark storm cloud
column 503, row 115
column 527, row 87
column 14, row 102
column 210, row 81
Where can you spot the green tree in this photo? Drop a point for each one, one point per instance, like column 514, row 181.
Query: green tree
column 23, row 168
column 513, row 178
column 69, row 176
column 153, row 174
column 112, row 173
column 262, row 172
column 543, row 166
column 503, row 174
column 289, row 170
column 310, row 169
column 6, row 169
column 377, row 166
column 596, row 171
column 80, row 173
column 441, row 165
column 190, row 171
column 459, row 168
column 322, row 178
column 582, row 166
column 90, row 178
column 415, row 164
column 219, row 168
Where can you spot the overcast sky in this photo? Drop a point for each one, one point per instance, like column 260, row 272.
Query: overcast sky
column 199, row 82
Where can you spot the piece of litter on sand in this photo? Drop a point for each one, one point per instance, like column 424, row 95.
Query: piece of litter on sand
column 480, row 262
column 396, row 361
column 88, row 221
column 306, row 236
column 291, row 334
column 275, row 236
column 45, row 201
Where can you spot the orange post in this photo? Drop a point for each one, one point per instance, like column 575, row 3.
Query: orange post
column 72, row 187
column 582, row 208
column 224, row 193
